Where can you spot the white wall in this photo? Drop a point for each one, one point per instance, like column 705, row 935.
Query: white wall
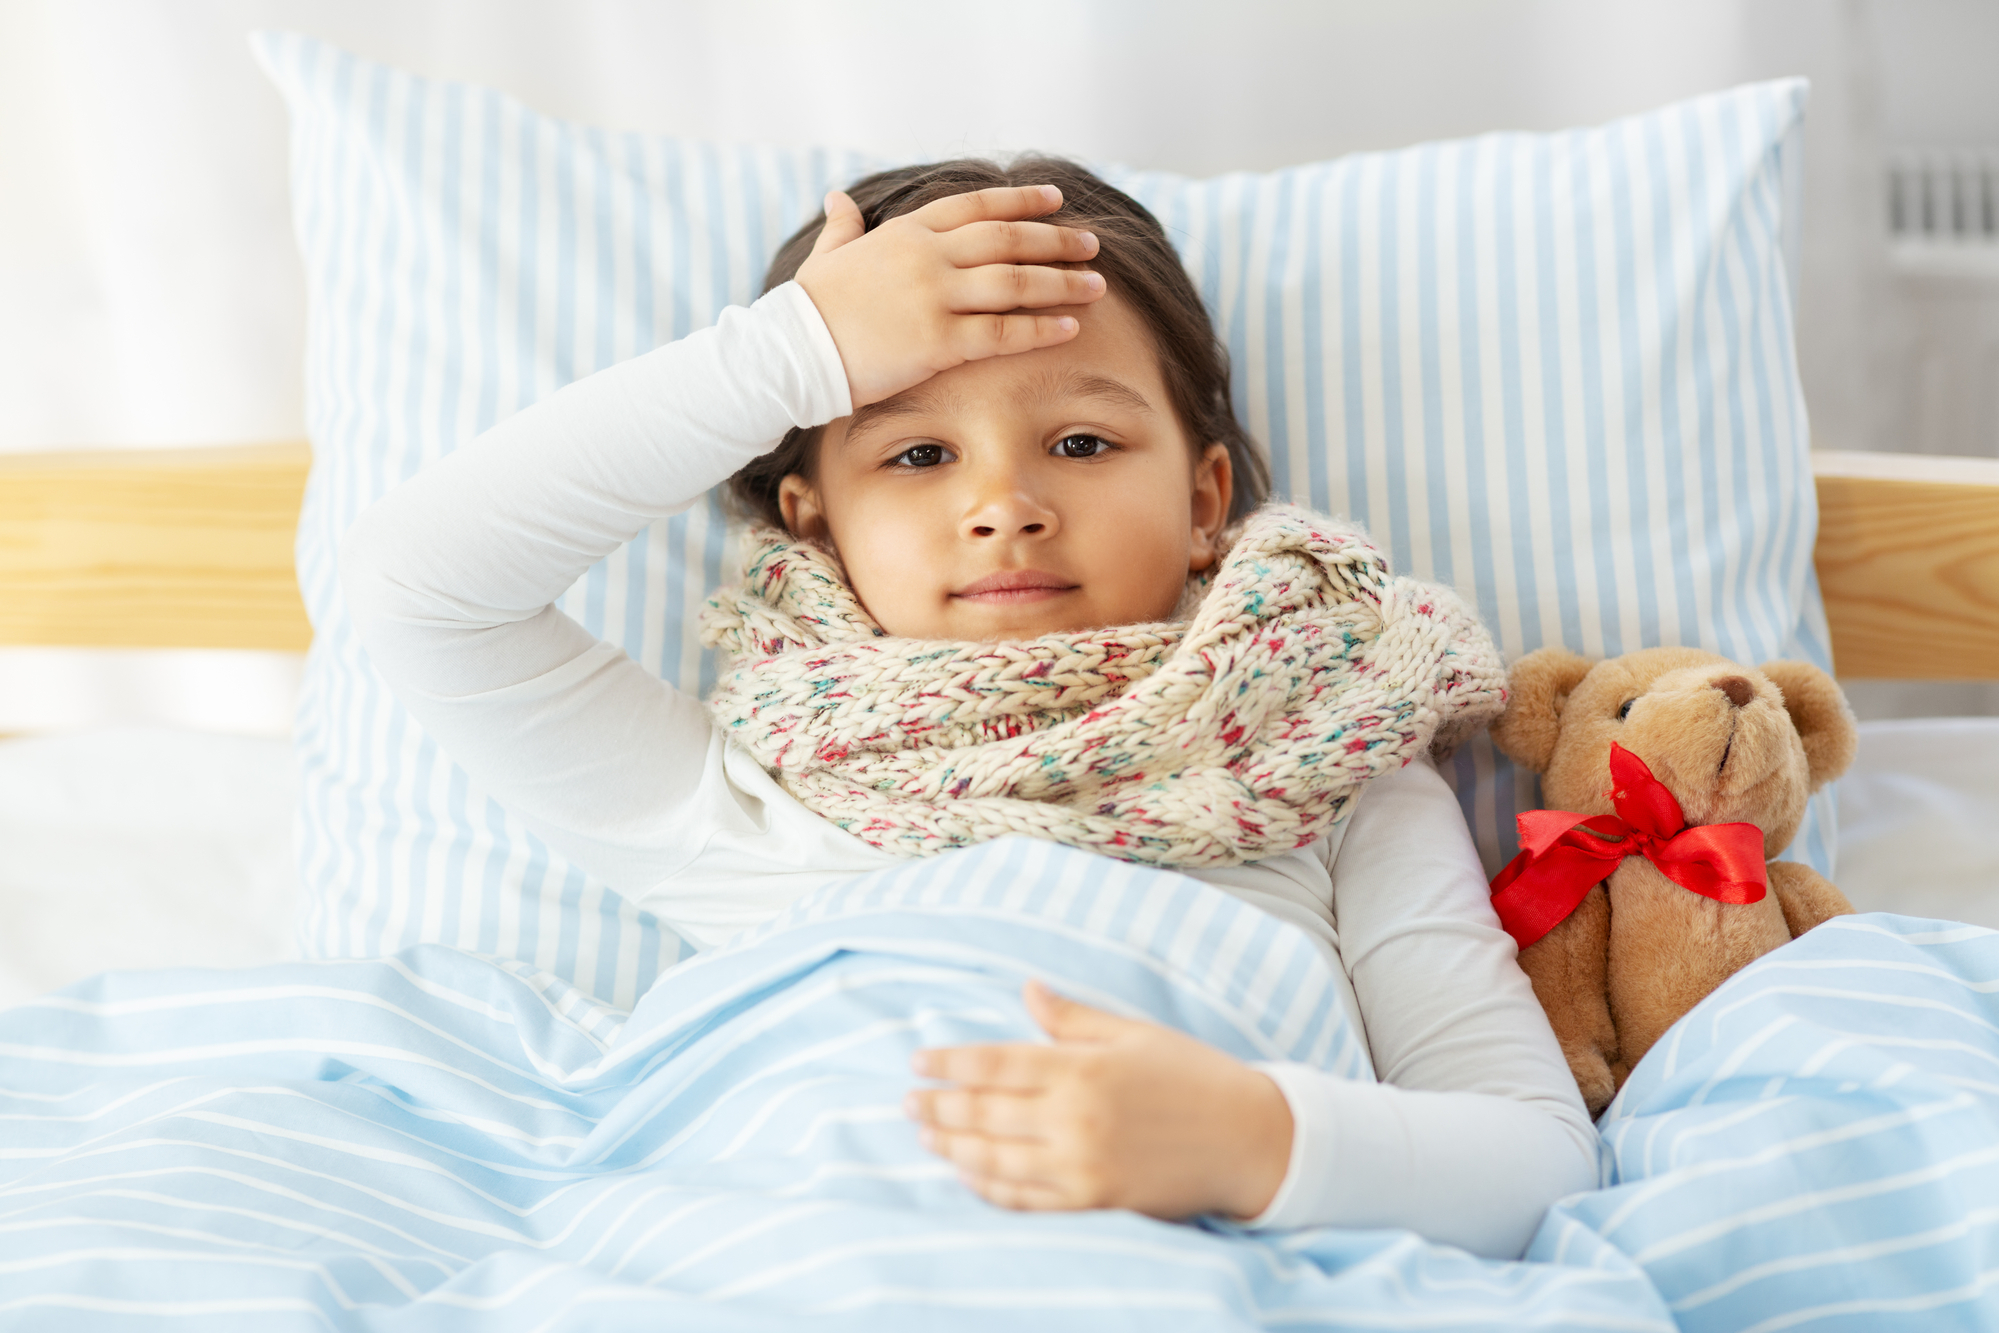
column 1939, row 75
column 1939, row 71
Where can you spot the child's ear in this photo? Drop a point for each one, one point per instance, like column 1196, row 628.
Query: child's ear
column 798, row 501
column 1214, row 490
column 1537, row 687
column 1818, row 710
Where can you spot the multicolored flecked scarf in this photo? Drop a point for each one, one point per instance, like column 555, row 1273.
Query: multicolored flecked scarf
column 1241, row 732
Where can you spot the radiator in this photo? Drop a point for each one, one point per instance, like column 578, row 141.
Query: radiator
column 1943, row 221
column 1944, row 194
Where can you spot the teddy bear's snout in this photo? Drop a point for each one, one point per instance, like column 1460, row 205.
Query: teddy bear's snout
column 1737, row 690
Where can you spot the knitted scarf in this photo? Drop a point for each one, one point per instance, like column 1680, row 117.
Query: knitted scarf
column 1243, row 731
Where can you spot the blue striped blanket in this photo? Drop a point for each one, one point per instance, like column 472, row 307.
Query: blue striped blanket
column 442, row 1141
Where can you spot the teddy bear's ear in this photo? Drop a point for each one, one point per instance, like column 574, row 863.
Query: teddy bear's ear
column 1818, row 710
column 1537, row 687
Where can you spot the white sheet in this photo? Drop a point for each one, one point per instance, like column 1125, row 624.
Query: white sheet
column 142, row 847
column 1919, row 819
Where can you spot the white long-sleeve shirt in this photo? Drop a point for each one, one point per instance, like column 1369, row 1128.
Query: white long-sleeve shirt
column 1476, row 1126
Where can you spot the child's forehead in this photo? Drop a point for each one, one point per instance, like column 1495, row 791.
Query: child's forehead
column 1111, row 363
column 1042, row 387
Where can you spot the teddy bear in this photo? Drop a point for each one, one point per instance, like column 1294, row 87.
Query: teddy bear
column 1625, row 920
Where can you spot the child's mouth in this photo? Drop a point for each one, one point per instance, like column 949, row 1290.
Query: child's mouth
column 1014, row 586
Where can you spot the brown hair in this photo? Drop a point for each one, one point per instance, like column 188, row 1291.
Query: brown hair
column 1136, row 261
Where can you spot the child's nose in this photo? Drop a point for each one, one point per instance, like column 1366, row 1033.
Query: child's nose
column 1004, row 506
column 1013, row 515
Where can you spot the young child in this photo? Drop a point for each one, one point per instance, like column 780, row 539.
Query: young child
column 1001, row 420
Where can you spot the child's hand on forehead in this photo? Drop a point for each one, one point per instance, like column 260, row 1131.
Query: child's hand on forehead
column 957, row 280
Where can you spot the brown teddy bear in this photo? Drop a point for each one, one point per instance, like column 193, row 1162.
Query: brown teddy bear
column 1660, row 917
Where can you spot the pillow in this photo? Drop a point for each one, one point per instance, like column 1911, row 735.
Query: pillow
column 466, row 256
column 1554, row 370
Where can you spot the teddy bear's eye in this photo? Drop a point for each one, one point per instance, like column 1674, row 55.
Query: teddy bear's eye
column 1625, row 711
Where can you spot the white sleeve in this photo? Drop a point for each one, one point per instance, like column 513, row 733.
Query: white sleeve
column 450, row 580
column 1476, row 1125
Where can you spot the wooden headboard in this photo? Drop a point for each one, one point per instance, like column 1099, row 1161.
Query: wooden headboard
column 193, row 548
column 153, row 548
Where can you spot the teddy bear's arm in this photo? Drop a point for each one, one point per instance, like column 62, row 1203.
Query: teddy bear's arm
column 1568, row 967
column 1806, row 896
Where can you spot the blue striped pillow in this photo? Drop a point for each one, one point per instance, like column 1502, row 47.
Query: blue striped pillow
column 1554, row 370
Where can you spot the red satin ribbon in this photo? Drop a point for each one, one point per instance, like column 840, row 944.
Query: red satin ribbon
column 1564, row 855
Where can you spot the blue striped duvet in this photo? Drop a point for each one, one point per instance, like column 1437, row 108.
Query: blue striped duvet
column 442, row 1141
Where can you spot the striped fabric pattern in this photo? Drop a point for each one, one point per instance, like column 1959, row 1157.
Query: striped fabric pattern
column 1817, row 1144
column 1554, row 371
column 442, row 1141
column 465, row 257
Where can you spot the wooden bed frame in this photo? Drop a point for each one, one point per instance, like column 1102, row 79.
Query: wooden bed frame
column 192, row 548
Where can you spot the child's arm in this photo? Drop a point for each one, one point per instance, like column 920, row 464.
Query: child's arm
column 1474, row 1130
column 451, row 577
column 1477, row 1125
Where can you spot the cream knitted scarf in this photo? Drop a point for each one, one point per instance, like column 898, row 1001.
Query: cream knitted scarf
column 1242, row 732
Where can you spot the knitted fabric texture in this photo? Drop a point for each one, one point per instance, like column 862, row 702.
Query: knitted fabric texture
column 1242, row 732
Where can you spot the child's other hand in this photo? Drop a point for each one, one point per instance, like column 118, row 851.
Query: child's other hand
column 945, row 284
column 1115, row 1114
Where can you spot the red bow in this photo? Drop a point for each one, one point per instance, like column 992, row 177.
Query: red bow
column 1564, row 855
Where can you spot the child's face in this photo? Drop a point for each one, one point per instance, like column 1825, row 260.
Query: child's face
column 1042, row 492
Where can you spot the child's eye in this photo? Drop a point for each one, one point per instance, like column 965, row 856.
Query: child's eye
column 1082, row 446
column 919, row 455
column 1625, row 711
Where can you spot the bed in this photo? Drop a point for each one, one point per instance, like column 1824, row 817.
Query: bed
column 185, row 836
column 148, row 847
column 515, row 1133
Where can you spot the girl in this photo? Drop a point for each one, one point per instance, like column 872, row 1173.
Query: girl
column 1002, row 424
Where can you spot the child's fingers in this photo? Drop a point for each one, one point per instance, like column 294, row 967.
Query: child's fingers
column 1002, row 1159
column 1015, row 1065
column 1069, row 1020
column 1000, row 287
column 1018, row 243
column 1001, row 203
column 1013, row 1115
column 976, row 337
column 1021, row 1195
column 843, row 223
